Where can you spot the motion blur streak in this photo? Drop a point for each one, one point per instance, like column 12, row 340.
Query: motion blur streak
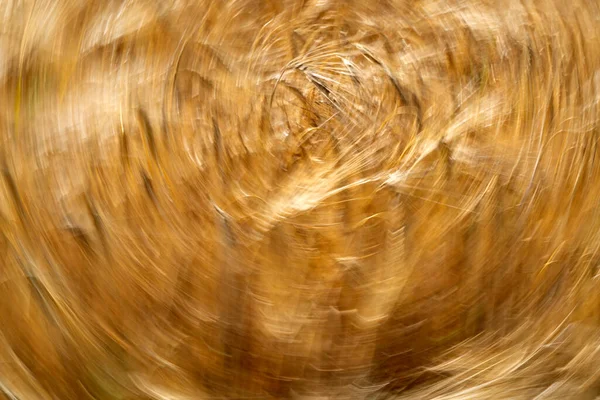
column 303, row 199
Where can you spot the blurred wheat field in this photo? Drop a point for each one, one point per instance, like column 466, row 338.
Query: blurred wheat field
column 304, row 199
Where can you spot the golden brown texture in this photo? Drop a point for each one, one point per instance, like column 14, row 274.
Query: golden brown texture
column 299, row 199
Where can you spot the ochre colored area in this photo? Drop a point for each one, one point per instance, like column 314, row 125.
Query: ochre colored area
column 299, row 199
